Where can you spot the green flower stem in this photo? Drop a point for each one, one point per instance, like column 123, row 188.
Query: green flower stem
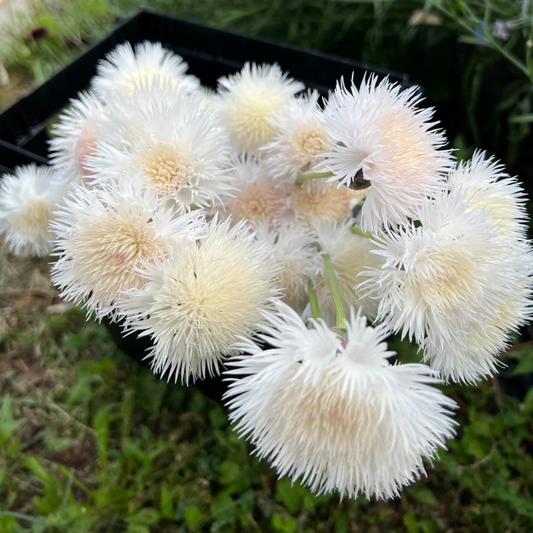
column 310, row 175
column 337, row 300
column 359, row 231
column 313, row 301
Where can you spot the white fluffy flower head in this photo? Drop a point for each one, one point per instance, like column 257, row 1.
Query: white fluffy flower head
column 250, row 99
column 472, row 351
column 181, row 150
column 437, row 271
column 300, row 138
column 105, row 234
column 74, row 136
column 201, row 299
column 27, row 201
column 333, row 412
column 488, row 187
column 379, row 131
column 449, row 280
column 256, row 197
column 125, row 67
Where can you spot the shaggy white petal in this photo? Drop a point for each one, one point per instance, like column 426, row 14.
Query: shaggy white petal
column 182, row 151
column 350, row 255
column 294, row 251
column 27, row 201
column 104, row 234
column 199, row 300
column 299, row 139
column 124, row 67
column 73, row 136
column 488, row 187
column 333, row 412
column 124, row 119
column 208, row 97
column 450, row 280
column 380, row 131
column 249, row 101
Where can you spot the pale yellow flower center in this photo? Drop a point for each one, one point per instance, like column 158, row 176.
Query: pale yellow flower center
column 308, row 141
column 256, row 201
column 249, row 115
column 108, row 248
column 34, row 219
column 451, row 282
column 502, row 212
column 165, row 168
column 215, row 293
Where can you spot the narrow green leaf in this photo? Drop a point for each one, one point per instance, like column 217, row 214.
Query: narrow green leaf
column 101, row 427
column 167, row 503
column 522, row 119
column 525, row 365
column 193, row 516
column 8, row 425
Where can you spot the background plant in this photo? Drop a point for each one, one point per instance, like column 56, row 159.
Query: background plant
column 473, row 57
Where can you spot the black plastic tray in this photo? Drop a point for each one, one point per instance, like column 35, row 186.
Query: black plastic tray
column 210, row 53
column 12, row 156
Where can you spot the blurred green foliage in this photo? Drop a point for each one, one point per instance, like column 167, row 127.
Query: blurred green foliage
column 52, row 33
column 473, row 57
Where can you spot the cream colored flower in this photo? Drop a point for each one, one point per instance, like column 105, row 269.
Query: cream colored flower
column 27, row 201
column 299, row 139
column 182, row 151
column 201, row 299
column 256, row 198
column 451, row 281
column 125, row 68
column 332, row 412
column 249, row 101
column 317, row 200
column 472, row 351
column 378, row 133
column 105, row 234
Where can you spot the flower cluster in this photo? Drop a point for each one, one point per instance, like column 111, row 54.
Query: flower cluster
column 277, row 239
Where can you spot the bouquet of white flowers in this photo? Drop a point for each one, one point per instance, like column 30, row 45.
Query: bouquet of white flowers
column 261, row 233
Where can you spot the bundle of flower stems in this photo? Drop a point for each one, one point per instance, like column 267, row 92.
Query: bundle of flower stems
column 221, row 225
